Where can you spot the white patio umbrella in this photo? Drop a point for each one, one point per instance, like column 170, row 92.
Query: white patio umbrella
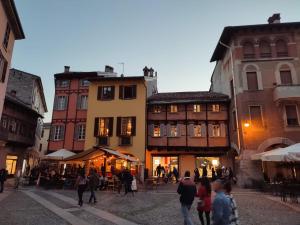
column 287, row 154
column 60, row 154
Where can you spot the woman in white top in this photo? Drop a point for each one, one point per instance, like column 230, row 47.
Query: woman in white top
column 81, row 185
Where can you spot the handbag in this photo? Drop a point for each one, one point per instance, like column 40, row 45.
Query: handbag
column 201, row 204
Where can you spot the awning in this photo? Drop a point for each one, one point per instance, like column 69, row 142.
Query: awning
column 287, row 154
column 99, row 151
column 59, row 155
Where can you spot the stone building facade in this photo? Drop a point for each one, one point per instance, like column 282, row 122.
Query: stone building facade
column 258, row 67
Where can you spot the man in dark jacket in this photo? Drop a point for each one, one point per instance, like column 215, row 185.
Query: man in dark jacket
column 128, row 178
column 187, row 190
column 3, row 175
column 93, row 183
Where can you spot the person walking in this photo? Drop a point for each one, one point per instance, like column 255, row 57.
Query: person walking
column 128, row 178
column 213, row 174
column 220, row 206
column 3, row 176
column 204, row 172
column 234, row 216
column 176, row 174
column 81, row 185
column 93, row 183
column 158, row 170
column 187, row 191
column 197, row 175
column 204, row 204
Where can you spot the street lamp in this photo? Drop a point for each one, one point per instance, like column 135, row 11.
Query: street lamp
column 234, row 93
column 246, row 124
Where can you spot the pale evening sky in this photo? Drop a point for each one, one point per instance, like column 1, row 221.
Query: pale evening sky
column 175, row 37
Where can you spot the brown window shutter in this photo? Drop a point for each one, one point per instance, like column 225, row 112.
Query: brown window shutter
column 113, row 92
column 133, row 126
column 286, row 77
column 118, row 126
column 121, row 92
column 110, row 126
column 134, row 91
column 96, row 127
column 252, row 81
column 99, row 94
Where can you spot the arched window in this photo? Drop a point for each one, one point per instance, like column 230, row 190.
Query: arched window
column 265, row 49
column 281, row 48
column 285, row 75
column 248, row 50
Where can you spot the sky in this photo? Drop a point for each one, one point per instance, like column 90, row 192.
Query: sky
column 175, row 37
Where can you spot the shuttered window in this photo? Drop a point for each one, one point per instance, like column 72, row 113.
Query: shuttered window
column 173, row 108
column 127, row 92
column 103, row 126
column 248, row 50
column 156, row 130
column 61, row 102
column 126, row 126
column 82, row 102
column 106, row 93
column 291, row 115
column 256, row 116
column 252, row 81
column 58, row 132
column 286, row 77
column 281, row 48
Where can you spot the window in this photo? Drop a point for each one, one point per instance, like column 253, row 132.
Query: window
column 173, row 130
column 62, row 83
column 248, row 50
column 84, row 83
column 252, row 81
column 12, row 127
column 173, row 108
column 281, row 48
column 156, row 130
column 6, row 36
column 156, row 109
column 103, row 126
column 286, row 77
column 216, row 108
column 127, row 92
column 106, row 93
column 58, row 132
column 126, row 126
column 265, row 49
column 256, row 116
column 4, row 122
column 81, row 131
column 197, row 108
column 83, row 102
column 3, row 68
column 61, row 102
column 291, row 115
column 216, row 130
column 197, row 130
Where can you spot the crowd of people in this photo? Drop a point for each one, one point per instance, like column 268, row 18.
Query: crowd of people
column 215, row 202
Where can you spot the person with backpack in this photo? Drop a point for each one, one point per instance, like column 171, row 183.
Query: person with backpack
column 81, row 183
column 3, row 176
column 128, row 178
column 234, row 216
column 204, row 204
column 93, row 183
column 187, row 191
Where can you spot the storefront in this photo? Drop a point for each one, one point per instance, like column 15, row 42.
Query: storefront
column 167, row 162
column 11, row 164
column 209, row 163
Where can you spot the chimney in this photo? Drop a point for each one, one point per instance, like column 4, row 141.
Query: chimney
column 274, row 19
column 151, row 71
column 109, row 69
column 67, row 69
column 146, row 71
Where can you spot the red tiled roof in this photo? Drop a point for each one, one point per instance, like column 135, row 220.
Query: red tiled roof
column 182, row 97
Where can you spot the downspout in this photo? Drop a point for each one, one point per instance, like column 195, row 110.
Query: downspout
column 78, row 86
column 67, row 114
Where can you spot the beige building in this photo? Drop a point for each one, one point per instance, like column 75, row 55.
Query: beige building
column 43, row 148
column 116, row 116
column 10, row 30
column 262, row 76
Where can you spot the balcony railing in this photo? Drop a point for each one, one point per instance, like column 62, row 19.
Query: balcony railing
column 286, row 92
column 8, row 136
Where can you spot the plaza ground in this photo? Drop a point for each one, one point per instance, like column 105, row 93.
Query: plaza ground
column 32, row 206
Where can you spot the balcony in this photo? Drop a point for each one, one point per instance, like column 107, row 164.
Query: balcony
column 288, row 92
column 16, row 138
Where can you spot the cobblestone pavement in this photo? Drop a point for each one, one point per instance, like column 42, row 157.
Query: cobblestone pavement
column 145, row 208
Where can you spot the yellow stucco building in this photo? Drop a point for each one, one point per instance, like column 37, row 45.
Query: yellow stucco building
column 116, row 115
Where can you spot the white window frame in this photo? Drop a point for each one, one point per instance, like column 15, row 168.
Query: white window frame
column 81, row 129
column 174, row 130
column 61, row 103
column 197, row 108
column 173, row 107
column 83, row 104
column 216, row 107
column 57, row 136
column 297, row 111
column 126, row 126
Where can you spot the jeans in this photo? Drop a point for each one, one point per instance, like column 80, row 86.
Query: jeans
column 80, row 190
column 92, row 195
column 185, row 210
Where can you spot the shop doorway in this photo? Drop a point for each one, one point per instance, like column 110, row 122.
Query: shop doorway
column 168, row 162
column 209, row 163
column 11, row 164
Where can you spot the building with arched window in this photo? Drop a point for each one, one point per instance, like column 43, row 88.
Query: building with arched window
column 264, row 89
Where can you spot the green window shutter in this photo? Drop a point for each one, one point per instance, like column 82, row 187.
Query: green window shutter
column 111, row 126
column 133, row 129
column 96, row 127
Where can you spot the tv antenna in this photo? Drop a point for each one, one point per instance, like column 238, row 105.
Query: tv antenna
column 122, row 67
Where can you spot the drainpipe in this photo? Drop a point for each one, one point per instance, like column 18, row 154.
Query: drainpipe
column 234, row 93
